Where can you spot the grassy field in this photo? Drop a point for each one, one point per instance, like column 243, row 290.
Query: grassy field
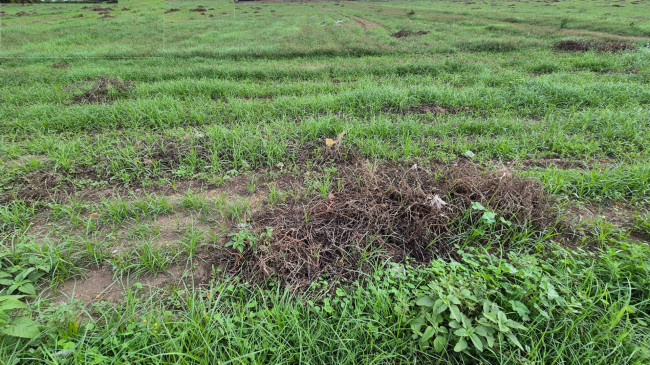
column 376, row 182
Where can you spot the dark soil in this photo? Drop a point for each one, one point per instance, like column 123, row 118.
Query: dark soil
column 105, row 89
column 78, row 16
column 172, row 11
column 393, row 211
column 582, row 46
column 200, row 9
column 126, row 9
column 408, row 33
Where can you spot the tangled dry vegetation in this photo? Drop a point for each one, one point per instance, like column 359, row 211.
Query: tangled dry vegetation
column 582, row 46
column 104, row 89
column 396, row 211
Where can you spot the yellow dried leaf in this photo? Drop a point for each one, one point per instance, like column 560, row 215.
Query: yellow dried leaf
column 339, row 138
column 329, row 142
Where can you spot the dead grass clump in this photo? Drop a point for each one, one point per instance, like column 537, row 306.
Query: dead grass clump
column 105, row 89
column 582, row 46
column 384, row 209
column 615, row 47
column 408, row 33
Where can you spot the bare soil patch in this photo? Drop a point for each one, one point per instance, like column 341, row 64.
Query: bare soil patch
column 172, row 10
column 38, row 185
column 404, row 212
column 101, row 285
column 583, row 46
column 78, row 16
column 45, row 184
column 105, row 89
column 408, row 33
column 97, row 285
column 199, row 9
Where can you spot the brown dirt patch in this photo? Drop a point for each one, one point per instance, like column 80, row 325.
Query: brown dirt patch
column 199, row 9
column 97, row 8
column 44, row 184
column 97, row 285
column 583, row 46
column 172, row 11
column 101, row 285
column 408, row 33
column 78, row 16
column 24, row 13
column 105, row 89
column 402, row 212
column 37, row 185
column 126, row 9
column 59, row 64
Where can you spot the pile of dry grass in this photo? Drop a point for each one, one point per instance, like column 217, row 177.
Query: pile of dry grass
column 385, row 208
column 105, row 89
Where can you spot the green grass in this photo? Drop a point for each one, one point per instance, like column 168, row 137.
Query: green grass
column 226, row 116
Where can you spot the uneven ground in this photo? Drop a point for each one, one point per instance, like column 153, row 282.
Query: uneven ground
column 325, row 182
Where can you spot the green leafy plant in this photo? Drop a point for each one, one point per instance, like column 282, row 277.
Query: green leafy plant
column 453, row 314
column 239, row 240
column 247, row 238
column 16, row 326
column 489, row 217
column 20, row 269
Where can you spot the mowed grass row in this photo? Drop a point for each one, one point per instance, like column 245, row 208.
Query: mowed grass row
column 142, row 199
column 528, row 99
column 593, row 133
column 314, row 29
